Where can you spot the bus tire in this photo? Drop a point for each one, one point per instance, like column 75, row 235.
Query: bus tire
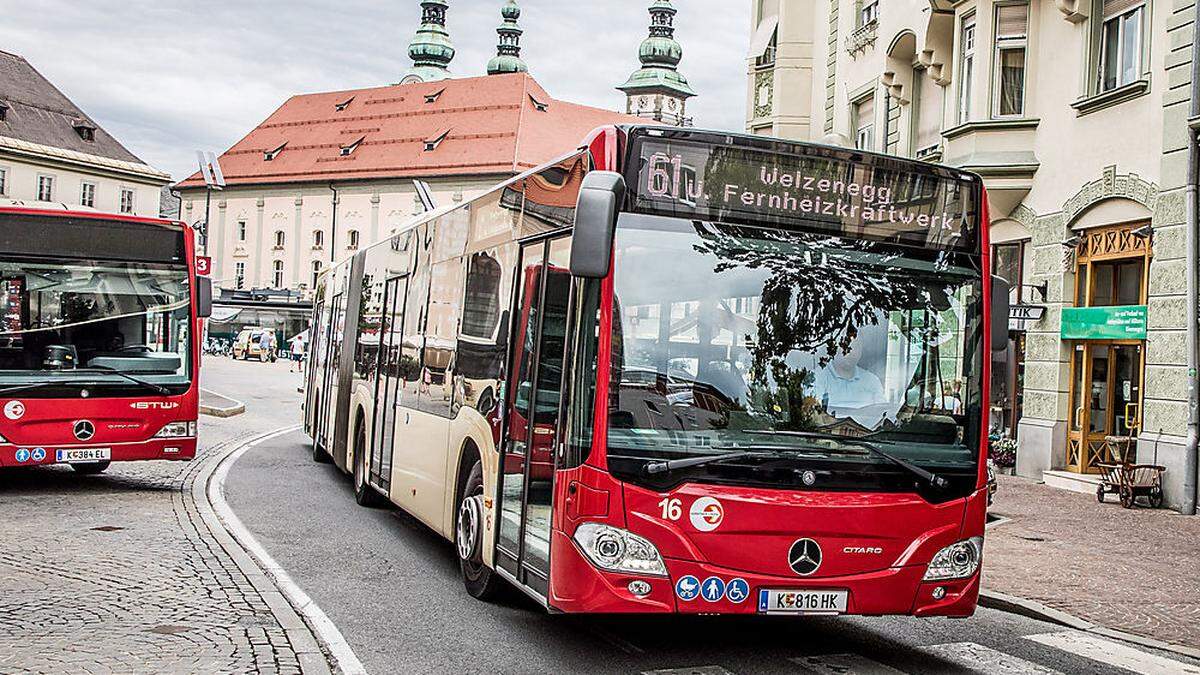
column 364, row 494
column 91, row 468
column 481, row 581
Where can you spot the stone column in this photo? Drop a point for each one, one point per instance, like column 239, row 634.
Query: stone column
column 299, row 262
column 259, row 247
column 1043, row 428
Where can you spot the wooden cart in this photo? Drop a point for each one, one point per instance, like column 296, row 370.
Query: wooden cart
column 1128, row 480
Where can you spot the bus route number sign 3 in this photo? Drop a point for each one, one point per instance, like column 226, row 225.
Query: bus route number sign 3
column 203, row 265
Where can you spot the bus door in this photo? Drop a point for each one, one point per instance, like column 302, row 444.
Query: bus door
column 333, row 346
column 533, row 409
column 387, row 393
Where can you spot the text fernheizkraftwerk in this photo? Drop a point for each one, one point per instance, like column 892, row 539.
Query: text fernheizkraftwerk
column 847, row 200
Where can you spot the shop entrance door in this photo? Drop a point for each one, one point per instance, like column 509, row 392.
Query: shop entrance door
column 1106, row 402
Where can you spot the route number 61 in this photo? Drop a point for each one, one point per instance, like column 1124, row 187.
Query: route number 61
column 672, row 509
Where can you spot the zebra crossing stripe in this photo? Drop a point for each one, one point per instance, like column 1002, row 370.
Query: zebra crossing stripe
column 844, row 664
column 976, row 658
column 1113, row 653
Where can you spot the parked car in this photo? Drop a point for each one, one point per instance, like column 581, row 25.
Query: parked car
column 256, row 343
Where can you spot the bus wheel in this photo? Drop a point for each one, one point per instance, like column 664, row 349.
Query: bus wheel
column 91, row 468
column 480, row 580
column 364, row 494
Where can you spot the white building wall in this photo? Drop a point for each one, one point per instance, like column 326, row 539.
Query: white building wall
column 372, row 208
column 21, row 181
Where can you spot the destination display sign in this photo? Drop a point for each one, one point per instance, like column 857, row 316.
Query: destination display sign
column 805, row 187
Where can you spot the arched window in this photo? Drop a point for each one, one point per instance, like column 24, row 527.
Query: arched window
column 352, row 240
column 316, row 272
column 278, row 278
column 279, row 238
column 318, row 238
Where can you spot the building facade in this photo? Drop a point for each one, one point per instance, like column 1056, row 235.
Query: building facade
column 1075, row 112
column 51, row 152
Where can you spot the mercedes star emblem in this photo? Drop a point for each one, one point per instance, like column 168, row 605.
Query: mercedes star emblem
column 84, row 430
column 804, row 557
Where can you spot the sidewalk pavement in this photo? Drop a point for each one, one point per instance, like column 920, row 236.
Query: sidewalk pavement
column 1133, row 571
column 130, row 572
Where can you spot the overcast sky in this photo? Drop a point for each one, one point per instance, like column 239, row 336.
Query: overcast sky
column 167, row 77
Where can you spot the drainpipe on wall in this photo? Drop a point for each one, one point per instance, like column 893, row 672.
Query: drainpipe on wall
column 1191, row 460
column 333, row 228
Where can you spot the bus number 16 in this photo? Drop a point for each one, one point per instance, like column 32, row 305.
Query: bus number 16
column 672, row 509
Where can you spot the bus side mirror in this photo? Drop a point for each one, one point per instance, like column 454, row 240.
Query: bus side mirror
column 600, row 198
column 1000, row 289
column 204, row 297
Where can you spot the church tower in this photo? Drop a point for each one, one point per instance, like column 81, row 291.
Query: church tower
column 658, row 90
column 430, row 50
column 508, row 51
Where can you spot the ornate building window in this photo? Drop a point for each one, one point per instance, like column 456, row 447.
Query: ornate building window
column 1012, row 33
column 864, row 123
column 1121, row 42
column 277, row 278
column 966, row 68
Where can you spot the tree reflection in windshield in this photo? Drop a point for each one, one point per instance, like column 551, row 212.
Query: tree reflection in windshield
column 723, row 333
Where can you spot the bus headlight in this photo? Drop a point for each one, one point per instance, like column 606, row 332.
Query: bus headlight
column 956, row 561
column 177, row 430
column 617, row 550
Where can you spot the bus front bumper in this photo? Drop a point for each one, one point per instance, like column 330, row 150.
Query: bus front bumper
column 576, row 586
column 156, row 448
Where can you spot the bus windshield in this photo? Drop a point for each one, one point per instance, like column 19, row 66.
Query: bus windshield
column 731, row 337
column 78, row 321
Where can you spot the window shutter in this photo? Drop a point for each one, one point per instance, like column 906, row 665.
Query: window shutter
column 1117, row 7
column 865, row 115
column 1012, row 21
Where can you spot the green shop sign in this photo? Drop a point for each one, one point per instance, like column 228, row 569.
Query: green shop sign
column 1126, row 322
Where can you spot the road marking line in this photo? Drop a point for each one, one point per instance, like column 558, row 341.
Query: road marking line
column 976, row 658
column 327, row 632
column 696, row 670
column 844, row 664
column 1112, row 653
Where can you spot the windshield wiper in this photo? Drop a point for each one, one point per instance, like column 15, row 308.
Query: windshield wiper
column 673, row 464
column 928, row 476
column 33, row 385
column 157, row 388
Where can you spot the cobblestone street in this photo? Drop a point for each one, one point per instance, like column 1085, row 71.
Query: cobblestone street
column 1129, row 570
column 121, row 573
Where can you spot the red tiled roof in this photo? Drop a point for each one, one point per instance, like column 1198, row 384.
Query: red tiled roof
column 494, row 123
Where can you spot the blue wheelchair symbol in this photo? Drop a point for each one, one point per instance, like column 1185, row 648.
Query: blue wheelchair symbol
column 23, row 455
column 737, row 590
column 38, row 454
column 687, row 588
column 713, row 589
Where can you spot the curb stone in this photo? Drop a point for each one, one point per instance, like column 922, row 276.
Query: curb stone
column 1036, row 610
column 297, row 612
column 309, row 653
column 236, row 407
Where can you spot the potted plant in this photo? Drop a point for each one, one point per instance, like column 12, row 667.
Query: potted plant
column 1002, row 450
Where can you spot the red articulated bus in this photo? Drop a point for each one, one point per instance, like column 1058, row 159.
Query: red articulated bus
column 681, row 371
column 99, row 350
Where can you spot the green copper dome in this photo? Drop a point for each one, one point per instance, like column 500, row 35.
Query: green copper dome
column 660, row 55
column 508, row 51
column 431, row 50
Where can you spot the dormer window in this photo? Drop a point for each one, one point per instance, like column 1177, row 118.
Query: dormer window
column 3, row 111
column 272, row 154
column 347, row 150
column 433, row 143
column 538, row 105
column 85, row 130
column 432, row 98
column 340, row 107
